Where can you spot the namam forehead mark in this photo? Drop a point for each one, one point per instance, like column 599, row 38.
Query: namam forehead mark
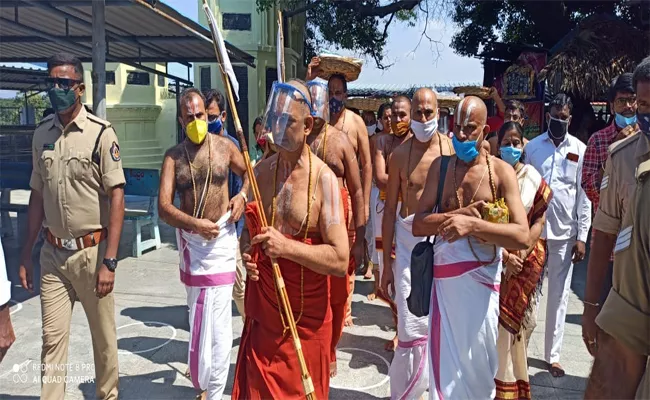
column 194, row 105
column 472, row 109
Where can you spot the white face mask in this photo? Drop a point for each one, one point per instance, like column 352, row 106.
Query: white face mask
column 424, row 131
column 371, row 129
column 380, row 126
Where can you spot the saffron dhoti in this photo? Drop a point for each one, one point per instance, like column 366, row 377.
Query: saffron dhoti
column 464, row 320
column 207, row 268
column 267, row 364
column 409, row 370
column 341, row 288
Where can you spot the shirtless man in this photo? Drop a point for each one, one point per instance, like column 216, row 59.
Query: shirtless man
column 197, row 169
column 409, row 165
column 309, row 241
column 384, row 146
column 333, row 146
column 348, row 122
column 467, row 257
column 384, row 127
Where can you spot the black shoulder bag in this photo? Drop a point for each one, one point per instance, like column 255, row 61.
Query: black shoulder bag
column 422, row 261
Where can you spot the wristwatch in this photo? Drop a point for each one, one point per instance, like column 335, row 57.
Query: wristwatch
column 111, row 264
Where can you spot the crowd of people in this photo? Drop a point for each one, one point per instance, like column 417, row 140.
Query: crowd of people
column 458, row 228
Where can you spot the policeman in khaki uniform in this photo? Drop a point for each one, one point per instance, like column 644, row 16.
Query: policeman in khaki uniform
column 621, row 368
column 78, row 198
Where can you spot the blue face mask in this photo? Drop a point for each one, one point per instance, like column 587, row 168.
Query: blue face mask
column 510, row 154
column 622, row 121
column 644, row 122
column 215, row 126
column 466, row 150
column 336, row 105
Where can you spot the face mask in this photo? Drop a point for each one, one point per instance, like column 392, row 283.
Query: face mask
column 401, row 128
column 424, row 131
column 371, row 129
column 62, row 100
column 558, row 128
column 622, row 121
column 510, row 154
column 261, row 141
column 196, row 131
column 644, row 122
column 466, row 150
column 380, row 126
column 215, row 126
column 336, row 105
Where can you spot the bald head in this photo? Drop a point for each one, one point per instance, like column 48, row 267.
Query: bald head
column 470, row 119
column 401, row 111
column 470, row 108
column 302, row 86
column 424, row 106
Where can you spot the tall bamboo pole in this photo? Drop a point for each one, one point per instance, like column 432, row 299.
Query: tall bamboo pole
column 279, row 281
column 281, row 43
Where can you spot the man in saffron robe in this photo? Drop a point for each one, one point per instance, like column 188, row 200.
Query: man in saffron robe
column 302, row 202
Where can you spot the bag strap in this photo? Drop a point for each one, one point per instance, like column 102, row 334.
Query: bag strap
column 444, row 163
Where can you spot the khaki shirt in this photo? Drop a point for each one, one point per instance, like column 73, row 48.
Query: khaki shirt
column 74, row 186
column 626, row 312
column 619, row 182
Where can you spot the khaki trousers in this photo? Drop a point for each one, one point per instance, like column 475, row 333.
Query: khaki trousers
column 67, row 276
column 240, row 286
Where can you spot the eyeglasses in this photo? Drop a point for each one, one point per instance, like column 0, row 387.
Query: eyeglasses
column 61, row 83
column 624, row 101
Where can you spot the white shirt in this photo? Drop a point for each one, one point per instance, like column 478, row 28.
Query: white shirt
column 5, row 284
column 569, row 213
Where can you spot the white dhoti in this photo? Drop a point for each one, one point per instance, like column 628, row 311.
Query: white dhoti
column 464, row 320
column 208, row 270
column 409, row 375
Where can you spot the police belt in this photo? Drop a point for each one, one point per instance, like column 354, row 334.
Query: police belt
column 90, row 240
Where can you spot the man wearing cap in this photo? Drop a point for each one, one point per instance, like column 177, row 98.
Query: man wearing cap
column 78, row 198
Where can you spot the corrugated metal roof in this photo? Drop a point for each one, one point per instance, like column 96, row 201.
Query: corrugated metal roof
column 387, row 90
column 23, row 79
column 136, row 31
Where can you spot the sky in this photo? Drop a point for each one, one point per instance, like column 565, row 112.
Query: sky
column 413, row 64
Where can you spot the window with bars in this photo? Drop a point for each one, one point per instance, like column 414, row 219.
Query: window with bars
column 138, row 78
column 236, row 21
column 110, row 77
column 206, row 78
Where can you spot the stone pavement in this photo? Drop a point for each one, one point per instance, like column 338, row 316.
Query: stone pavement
column 153, row 332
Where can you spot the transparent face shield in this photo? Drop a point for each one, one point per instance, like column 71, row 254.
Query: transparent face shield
column 319, row 100
column 284, row 116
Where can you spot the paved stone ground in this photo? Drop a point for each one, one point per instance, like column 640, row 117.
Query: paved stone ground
column 153, row 332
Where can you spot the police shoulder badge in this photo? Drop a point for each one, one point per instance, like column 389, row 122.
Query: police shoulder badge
column 115, row 152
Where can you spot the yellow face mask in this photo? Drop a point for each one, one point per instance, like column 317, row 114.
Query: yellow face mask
column 196, row 131
column 400, row 128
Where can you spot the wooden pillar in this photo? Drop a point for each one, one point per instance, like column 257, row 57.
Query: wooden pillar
column 99, row 58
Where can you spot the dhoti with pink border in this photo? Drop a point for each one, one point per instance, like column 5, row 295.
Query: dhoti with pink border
column 464, row 320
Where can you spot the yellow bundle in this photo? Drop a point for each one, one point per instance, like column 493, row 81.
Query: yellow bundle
column 496, row 212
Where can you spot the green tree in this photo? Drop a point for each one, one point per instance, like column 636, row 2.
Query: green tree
column 10, row 108
column 362, row 25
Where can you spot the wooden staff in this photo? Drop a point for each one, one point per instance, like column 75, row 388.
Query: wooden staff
column 279, row 282
column 281, row 31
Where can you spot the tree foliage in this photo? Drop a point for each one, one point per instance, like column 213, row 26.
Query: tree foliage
column 537, row 23
column 362, row 25
column 10, row 109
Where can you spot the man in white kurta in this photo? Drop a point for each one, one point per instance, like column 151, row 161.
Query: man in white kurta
column 558, row 156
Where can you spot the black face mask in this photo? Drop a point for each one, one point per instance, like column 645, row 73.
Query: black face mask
column 558, row 128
